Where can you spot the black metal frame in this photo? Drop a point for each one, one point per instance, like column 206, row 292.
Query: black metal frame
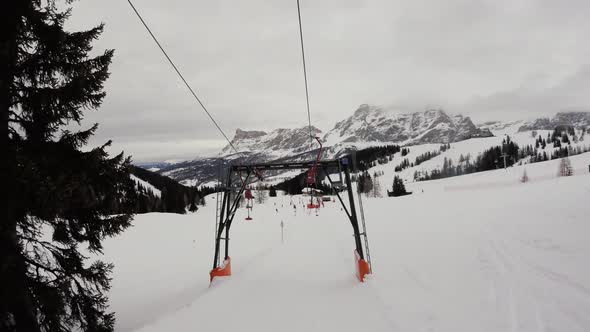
column 229, row 206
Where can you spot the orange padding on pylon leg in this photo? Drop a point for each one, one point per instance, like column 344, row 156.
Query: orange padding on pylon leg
column 222, row 271
column 362, row 267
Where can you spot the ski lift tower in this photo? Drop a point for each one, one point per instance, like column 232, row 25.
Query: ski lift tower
column 231, row 200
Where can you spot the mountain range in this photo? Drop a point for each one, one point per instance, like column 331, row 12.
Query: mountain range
column 367, row 126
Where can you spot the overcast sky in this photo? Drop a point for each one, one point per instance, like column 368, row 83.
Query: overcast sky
column 489, row 59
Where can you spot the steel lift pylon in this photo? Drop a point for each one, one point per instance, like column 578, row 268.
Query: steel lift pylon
column 233, row 193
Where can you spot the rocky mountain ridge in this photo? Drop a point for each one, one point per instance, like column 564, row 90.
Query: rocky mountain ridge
column 374, row 124
column 578, row 120
column 369, row 125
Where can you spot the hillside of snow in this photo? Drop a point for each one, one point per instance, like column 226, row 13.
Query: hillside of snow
column 471, row 147
column 147, row 185
column 481, row 252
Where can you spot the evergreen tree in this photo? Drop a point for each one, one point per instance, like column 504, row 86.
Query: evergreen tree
column 398, row 188
column 524, row 178
column 260, row 195
column 376, row 192
column 367, row 183
column 76, row 197
column 364, row 183
column 565, row 138
column 193, row 207
column 565, row 167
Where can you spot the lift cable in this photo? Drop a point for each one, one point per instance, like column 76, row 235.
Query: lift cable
column 305, row 76
column 182, row 77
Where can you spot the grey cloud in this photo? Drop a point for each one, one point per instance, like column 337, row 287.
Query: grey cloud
column 535, row 100
column 488, row 59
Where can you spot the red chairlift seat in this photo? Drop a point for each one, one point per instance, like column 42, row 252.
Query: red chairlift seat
column 248, row 194
column 311, row 175
column 249, row 197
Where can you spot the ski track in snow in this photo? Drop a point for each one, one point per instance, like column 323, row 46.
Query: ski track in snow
column 510, row 257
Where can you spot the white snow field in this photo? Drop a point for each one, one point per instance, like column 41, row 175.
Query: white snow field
column 473, row 147
column 481, row 252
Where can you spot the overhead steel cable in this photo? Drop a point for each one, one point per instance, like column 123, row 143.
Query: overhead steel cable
column 181, row 76
column 305, row 76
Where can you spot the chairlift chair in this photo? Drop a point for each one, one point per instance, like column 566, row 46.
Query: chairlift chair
column 311, row 175
column 249, row 202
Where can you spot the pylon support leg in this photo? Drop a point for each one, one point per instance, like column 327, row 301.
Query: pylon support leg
column 362, row 267
column 223, row 271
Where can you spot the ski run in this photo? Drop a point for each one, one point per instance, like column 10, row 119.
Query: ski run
column 480, row 252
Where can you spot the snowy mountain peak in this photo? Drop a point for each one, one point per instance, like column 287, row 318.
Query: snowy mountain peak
column 577, row 119
column 275, row 144
column 247, row 134
column 364, row 110
column 374, row 124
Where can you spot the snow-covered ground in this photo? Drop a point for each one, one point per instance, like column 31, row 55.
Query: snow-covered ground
column 481, row 252
column 147, row 185
column 471, row 147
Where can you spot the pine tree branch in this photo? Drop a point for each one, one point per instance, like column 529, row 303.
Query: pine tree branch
column 55, row 272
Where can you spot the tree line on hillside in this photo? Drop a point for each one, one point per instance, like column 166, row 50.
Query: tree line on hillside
column 534, row 155
column 405, row 163
column 562, row 145
column 174, row 197
column 491, row 158
column 378, row 155
column 494, row 157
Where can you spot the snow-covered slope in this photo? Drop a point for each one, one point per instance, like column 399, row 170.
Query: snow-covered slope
column 500, row 125
column 460, row 150
column 147, row 185
column 480, row 252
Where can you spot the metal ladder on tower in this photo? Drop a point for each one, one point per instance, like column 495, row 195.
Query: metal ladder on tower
column 364, row 232
column 218, row 202
column 362, row 215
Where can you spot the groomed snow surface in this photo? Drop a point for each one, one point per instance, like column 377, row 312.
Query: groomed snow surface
column 481, row 252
